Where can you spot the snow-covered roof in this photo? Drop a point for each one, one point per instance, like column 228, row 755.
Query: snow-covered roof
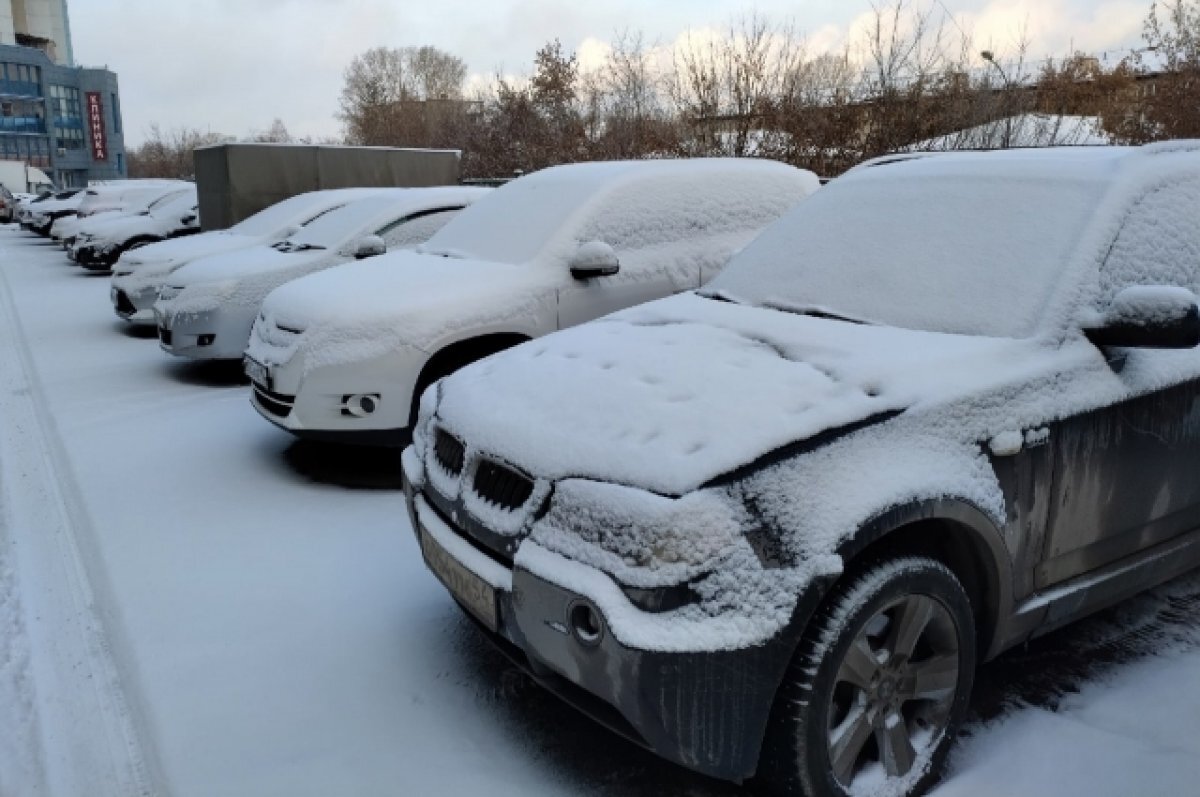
column 547, row 201
column 972, row 243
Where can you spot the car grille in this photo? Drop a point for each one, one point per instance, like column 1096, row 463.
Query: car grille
column 164, row 335
column 123, row 303
column 500, row 485
column 277, row 404
column 449, row 452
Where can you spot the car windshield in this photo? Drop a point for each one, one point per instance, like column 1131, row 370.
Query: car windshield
column 269, row 221
column 513, row 223
column 975, row 255
column 338, row 226
column 164, row 200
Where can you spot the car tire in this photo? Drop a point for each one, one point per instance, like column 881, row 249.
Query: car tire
column 878, row 687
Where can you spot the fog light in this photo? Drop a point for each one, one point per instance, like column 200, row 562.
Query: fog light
column 586, row 625
column 205, row 340
column 360, row 405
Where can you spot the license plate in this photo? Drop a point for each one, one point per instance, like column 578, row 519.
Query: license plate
column 478, row 596
column 257, row 372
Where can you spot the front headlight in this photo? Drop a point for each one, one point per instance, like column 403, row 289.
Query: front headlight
column 646, row 542
column 168, row 292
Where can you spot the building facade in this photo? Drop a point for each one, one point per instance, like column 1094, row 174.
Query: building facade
column 64, row 119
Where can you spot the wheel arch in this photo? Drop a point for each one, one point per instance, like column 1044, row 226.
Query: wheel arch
column 952, row 531
column 959, row 535
column 449, row 358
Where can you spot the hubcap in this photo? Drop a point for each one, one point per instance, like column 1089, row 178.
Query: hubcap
column 894, row 689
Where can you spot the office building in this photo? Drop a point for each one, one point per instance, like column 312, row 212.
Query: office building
column 62, row 118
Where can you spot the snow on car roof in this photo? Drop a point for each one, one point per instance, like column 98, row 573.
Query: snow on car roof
column 546, row 201
column 298, row 209
column 333, row 228
column 971, row 243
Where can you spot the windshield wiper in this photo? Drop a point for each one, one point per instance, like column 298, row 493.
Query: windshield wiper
column 719, row 296
column 814, row 312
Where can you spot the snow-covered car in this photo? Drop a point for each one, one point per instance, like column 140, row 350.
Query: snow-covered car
column 769, row 528
column 341, row 356
column 99, row 241
column 206, row 309
column 124, row 197
column 138, row 274
column 44, row 211
column 8, row 206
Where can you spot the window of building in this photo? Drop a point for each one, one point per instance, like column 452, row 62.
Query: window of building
column 66, row 110
column 20, row 80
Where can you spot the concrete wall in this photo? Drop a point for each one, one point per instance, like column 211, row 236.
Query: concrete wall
column 46, row 19
column 235, row 181
column 8, row 32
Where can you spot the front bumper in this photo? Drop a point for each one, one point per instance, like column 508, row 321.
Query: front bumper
column 134, row 306
column 705, row 710
column 93, row 257
column 214, row 335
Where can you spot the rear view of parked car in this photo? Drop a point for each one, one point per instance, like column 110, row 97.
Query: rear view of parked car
column 770, row 527
column 138, row 275
column 207, row 308
column 342, row 355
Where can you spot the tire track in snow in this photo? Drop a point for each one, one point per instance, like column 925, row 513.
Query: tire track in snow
column 73, row 718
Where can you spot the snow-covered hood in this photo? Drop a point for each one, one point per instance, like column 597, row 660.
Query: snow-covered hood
column 675, row 393
column 400, row 299
column 243, row 264
column 191, row 248
column 126, row 227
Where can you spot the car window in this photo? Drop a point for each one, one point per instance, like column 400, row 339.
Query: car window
column 649, row 212
column 1159, row 242
column 412, row 230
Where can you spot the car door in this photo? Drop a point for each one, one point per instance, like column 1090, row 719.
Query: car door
column 644, row 238
column 1126, row 476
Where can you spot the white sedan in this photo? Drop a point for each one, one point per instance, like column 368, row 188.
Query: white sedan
column 344, row 355
column 139, row 274
column 207, row 308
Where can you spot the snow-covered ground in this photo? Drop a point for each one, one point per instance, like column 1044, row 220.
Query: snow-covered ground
column 193, row 604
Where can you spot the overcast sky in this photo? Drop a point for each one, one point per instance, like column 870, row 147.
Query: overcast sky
column 232, row 66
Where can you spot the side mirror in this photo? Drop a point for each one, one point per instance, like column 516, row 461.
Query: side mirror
column 1149, row 317
column 594, row 259
column 369, row 246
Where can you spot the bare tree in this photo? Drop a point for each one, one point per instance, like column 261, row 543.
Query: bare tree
column 277, row 133
column 168, row 153
column 725, row 89
column 1168, row 104
column 383, row 89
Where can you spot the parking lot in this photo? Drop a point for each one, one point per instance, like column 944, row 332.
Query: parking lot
column 196, row 604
